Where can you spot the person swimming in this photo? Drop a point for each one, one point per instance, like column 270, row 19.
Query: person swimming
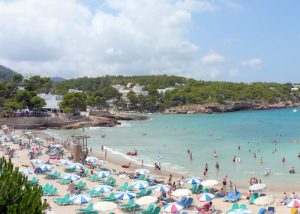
column 283, row 160
column 215, row 153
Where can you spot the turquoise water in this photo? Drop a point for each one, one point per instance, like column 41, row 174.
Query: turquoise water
column 171, row 136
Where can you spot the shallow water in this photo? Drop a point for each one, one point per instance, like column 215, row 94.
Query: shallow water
column 169, row 137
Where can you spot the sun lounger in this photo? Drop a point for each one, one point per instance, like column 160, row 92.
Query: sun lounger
column 88, row 209
column 34, row 180
column 149, row 209
column 123, row 187
column 64, row 181
column 253, row 197
column 187, row 203
column 271, row 210
column 63, row 201
column 243, row 207
column 128, row 204
column 133, row 208
column 156, row 210
column 141, row 177
column 262, row 211
column 52, row 191
column 110, row 198
column 141, row 193
column 198, row 189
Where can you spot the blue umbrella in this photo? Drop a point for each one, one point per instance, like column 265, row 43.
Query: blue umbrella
column 173, row 207
column 65, row 162
column 194, row 180
column 80, row 199
column 161, row 188
column 140, row 184
column 37, row 161
column 205, row 197
column 76, row 165
column 125, row 196
column 91, row 159
column 46, row 167
column 103, row 188
column 103, row 174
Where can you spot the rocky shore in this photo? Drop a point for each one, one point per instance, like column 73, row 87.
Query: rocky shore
column 227, row 107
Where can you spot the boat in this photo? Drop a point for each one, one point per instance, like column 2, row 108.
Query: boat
column 132, row 153
column 295, row 110
column 126, row 165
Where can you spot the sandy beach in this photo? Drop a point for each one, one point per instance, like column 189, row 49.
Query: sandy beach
column 22, row 159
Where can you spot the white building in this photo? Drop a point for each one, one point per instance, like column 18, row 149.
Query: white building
column 74, row 90
column 139, row 90
column 164, row 90
column 52, row 102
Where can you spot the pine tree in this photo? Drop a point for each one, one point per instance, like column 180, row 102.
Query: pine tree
column 16, row 194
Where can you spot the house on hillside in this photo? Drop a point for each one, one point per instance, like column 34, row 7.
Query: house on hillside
column 52, row 102
column 139, row 90
column 74, row 90
column 164, row 90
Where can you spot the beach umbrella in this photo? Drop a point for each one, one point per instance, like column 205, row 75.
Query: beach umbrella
column 103, row 188
column 72, row 177
column 36, row 161
column 146, row 200
column 240, row 211
column 210, row 183
column 125, row 196
column 264, row 201
column 103, row 174
column 142, row 171
column 294, row 203
column 257, row 187
column 161, row 188
column 34, row 148
column 91, row 159
column 46, row 167
column 65, row 162
column 105, row 206
column 205, row 197
column 76, row 165
column 173, row 207
column 25, row 171
column 194, row 180
column 140, row 184
column 80, row 199
column 56, row 145
column 181, row 192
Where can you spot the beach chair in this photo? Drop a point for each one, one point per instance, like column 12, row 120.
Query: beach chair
column 111, row 182
column 111, row 197
column 64, row 181
column 133, row 208
column 243, row 207
column 52, row 191
column 86, row 210
column 234, row 207
column 194, row 187
column 141, row 193
column 206, row 190
column 34, row 180
column 271, row 210
column 188, row 203
column 107, row 180
column 70, row 169
column 198, row 189
column 148, row 210
column 253, row 197
column 156, row 210
column 128, row 204
column 140, row 178
column 182, row 200
column 123, row 187
column 149, row 192
column 63, row 201
column 262, row 211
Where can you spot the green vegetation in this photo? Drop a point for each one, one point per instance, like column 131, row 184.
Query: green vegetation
column 6, row 74
column 74, row 102
column 16, row 194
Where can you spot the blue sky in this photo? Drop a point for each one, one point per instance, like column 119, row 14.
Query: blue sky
column 227, row 40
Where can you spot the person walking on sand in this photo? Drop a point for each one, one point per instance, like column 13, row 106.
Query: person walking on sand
column 71, row 188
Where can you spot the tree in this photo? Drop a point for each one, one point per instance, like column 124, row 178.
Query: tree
column 17, row 78
column 38, row 84
column 74, row 102
column 16, row 194
column 36, row 103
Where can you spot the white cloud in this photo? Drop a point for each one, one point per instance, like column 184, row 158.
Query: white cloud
column 212, row 58
column 65, row 38
column 252, row 63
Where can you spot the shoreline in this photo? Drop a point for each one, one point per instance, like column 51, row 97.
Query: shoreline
column 114, row 161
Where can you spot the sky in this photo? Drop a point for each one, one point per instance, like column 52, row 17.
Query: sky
column 224, row 40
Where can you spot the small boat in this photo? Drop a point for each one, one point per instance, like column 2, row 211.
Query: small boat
column 126, row 165
column 295, row 110
column 132, row 153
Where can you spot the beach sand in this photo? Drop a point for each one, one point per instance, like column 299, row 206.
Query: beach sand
column 114, row 163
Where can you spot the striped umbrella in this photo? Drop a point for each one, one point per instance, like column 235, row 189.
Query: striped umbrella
column 210, row 183
column 34, row 148
column 181, row 192
column 103, row 174
column 174, row 207
column 142, row 171
column 257, row 187
column 194, row 180
column 36, row 161
column 294, row 203
column 65, row 162
column 240, row 211
column 161, row 188
column 140, row 184
column 146, row 200
column 72, row 177
column 125, row 196
column 80, row 199
column 46, row 167
column 103, row 188
column 25, row 171
column 76, row 165
column 205, row 197
column 91, row 159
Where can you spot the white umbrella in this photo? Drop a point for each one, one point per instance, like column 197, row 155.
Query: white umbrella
column 240, row 211
column 125, row 195
column 139, row 184
column 72, row 177
column 161, row 188
column 103, row 188
column 76, row 165
column 257, row 187
column 181, row 192
column 65, row 162
column 294, row 203
column 142, row 171
column 80, row 199
column 264, row 201
column 25, row 171
column 36, row 161
column 205, row 197
column 105, row 206
column 146, row 200
column 210, row 183
column 174, row 207
column 46, row 167
column 103, row 174
column 91, row 159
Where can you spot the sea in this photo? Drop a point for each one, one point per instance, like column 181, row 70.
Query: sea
column 166, row 139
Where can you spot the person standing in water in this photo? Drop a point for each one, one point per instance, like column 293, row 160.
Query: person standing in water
column 206, row 167
column 217, row 165
column 215, row 153
column 191, row 156
column 239, row 147
column 283, row 160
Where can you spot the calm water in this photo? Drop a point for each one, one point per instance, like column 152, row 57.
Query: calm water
column 169, row 137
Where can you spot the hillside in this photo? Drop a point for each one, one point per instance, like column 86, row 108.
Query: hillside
column 6, row 74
